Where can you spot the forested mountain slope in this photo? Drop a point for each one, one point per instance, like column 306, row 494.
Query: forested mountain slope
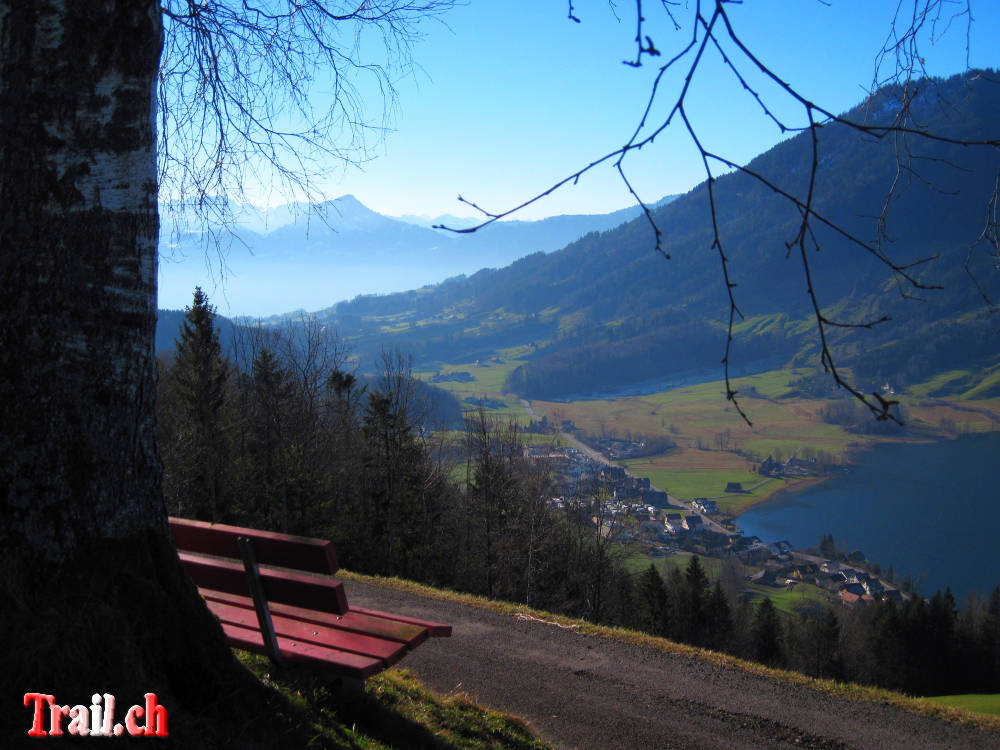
column 608, row 309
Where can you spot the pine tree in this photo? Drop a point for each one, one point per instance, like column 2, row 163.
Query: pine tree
column 767, row 633
column 651, row 610
column 264, row 491
column 198, row 377
column 719, row 619
column 695, row 617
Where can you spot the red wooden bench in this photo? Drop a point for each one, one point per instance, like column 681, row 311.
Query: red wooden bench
column 274, row 594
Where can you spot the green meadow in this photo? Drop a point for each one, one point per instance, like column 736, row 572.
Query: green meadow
column 981, row 703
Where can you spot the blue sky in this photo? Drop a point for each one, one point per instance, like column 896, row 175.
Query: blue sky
column 506, row 98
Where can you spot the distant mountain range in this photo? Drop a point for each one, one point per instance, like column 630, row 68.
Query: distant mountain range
column 299, row 257
column 607, row 311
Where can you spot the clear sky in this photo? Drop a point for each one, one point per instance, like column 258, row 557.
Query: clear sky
column 509, row 97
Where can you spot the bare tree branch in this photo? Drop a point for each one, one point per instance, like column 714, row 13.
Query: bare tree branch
column 255, row 92
column 899, row 62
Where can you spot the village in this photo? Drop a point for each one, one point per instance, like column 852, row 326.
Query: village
column 649, row 522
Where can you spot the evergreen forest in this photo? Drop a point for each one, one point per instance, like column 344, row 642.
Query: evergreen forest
column 278, row 434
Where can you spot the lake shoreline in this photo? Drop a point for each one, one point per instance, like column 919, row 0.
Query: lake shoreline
column 924, row 507
column 852, row 458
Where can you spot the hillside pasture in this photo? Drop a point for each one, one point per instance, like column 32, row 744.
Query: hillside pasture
column 487, row 379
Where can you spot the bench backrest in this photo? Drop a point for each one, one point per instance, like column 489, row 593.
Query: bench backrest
column 271, row 548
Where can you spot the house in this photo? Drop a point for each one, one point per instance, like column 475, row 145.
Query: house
column 854, row 588
column 797, row 467
column 674, row 523
column 848, row 598
column 769, row 467
column 705, row 505
column 655, row 497
column 751, row 550
column 782, row 547
column 871, row 584
column 846, row 575
column 693, row 523
column 764, row 578
column 801, row 572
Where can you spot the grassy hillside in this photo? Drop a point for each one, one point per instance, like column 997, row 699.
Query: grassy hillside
column 394, row 709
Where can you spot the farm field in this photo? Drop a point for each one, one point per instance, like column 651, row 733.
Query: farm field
column 485, row 383
column 716, row 447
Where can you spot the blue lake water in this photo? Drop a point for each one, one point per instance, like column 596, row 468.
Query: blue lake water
column 929, row 510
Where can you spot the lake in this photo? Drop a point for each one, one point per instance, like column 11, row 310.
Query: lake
column 930, row 510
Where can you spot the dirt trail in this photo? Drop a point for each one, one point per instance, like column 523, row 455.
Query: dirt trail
column 583, row 691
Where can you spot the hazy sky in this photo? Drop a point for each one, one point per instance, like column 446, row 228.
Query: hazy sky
column 509, row 97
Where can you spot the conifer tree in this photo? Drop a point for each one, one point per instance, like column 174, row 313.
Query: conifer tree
column 266, row 492
column 767, row 633
column 199, row 377
column 651, row 612
column 695, row 593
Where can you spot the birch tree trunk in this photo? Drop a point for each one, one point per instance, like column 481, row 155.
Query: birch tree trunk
column 92, row 597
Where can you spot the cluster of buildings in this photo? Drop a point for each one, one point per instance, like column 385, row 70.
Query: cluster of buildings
column 793, row 467
column 574, row 472
column 617, row 449
column 635, row 512
column 851, row 586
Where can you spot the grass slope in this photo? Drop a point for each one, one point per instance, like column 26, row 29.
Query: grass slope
column 982, row 703
column 393, row 710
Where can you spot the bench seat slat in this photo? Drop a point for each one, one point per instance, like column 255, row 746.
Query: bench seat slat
column 287, row 587
column 310, row 654
column 434, row 629
column 409, row 635
column 379, row 648
column 270, row 547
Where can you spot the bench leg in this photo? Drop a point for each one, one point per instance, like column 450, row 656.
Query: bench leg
column 350, row 687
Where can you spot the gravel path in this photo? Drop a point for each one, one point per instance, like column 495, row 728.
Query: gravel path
column 584, row 691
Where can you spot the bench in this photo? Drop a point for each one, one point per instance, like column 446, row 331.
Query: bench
column 274, row 594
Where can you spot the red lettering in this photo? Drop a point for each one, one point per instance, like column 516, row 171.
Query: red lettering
column 36, row 723
column 56, row 716
column 136, row 712
column 156, row 714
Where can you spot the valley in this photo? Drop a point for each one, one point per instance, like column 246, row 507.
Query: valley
column 713, row 447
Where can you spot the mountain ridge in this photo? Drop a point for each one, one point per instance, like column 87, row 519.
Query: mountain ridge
column 595, row 307
column 311, row 258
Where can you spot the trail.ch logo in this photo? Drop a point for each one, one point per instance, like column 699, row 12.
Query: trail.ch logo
column 97, row 720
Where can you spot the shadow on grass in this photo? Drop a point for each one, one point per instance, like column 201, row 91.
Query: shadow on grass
column 393, row 710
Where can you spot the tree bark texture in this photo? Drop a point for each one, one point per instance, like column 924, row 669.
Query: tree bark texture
column 92, row 595
column 78, row 234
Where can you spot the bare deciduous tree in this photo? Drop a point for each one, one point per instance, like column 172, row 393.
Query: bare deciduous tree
column 273, row 95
